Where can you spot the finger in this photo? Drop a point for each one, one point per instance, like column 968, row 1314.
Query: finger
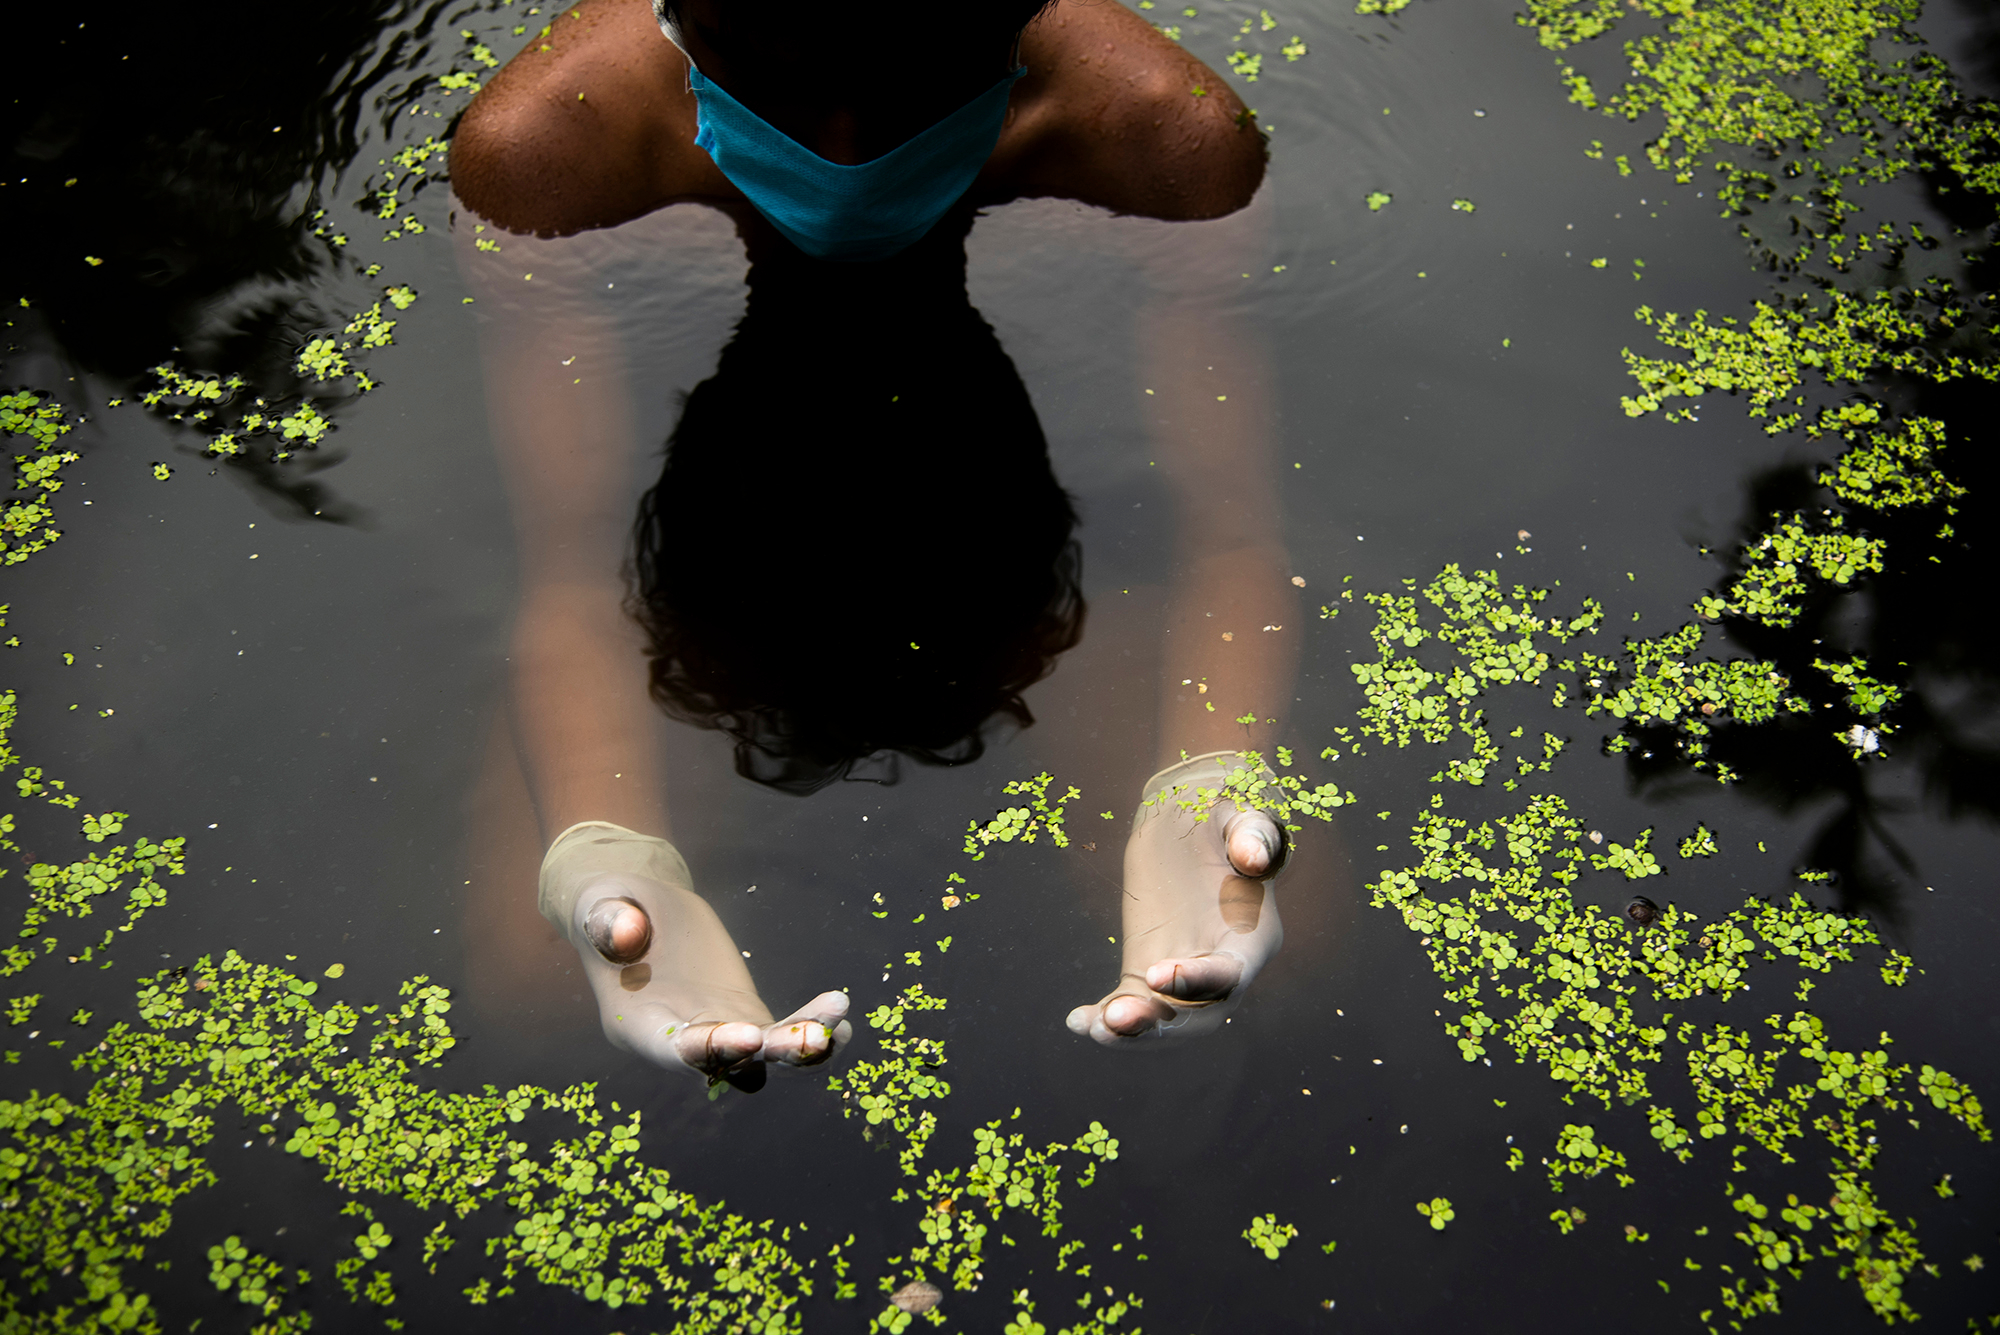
column 1090, row 1021
column 713, row 1049
column 810, row 1034
column 1127, row 1016
column 619, row 930
column 1254, row 841
column 1200, row 978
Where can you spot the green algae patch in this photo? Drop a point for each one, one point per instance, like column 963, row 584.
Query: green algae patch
column 1840, row 89
column 233, row 415
column 1609, row 1010
column 27, row 523
column 90, row 1184
column 1793, row 106
column 227, row 1039
column 1841, row 340
column 1025, row 823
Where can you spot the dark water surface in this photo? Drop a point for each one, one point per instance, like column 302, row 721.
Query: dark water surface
column 319, row 707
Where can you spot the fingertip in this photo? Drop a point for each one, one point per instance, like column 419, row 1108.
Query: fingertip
column 1079, row 1020
column 1128, row 1017
column 1253, row 843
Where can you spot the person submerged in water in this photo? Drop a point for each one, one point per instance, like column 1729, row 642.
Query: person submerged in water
column 624, row 109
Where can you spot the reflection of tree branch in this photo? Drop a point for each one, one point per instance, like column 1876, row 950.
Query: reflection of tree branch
column 1910, row 621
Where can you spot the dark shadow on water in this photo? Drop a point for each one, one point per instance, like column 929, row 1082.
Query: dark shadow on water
column 182, row 153
column 857, row 549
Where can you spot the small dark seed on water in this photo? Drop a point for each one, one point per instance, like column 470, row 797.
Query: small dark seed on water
column 1642, row 911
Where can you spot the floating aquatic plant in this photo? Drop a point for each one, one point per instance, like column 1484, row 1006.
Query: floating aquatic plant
column 1438, row 1210
column 1563, row 984
column 1268, row 1236
column 27, row 523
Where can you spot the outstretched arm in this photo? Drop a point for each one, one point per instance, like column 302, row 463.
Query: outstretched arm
column 561, row 419
column 1200, row 919
column 669, row 982
column 1231, row 619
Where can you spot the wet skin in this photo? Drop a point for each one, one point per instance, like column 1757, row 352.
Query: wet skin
column 599, row 128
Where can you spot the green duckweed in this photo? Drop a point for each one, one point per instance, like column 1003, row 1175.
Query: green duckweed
column 1268, row 1236
column 1600, row 1006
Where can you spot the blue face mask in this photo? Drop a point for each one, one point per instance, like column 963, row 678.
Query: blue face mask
column 831, row 211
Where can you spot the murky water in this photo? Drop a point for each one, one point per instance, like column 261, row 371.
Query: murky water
column 319, row 707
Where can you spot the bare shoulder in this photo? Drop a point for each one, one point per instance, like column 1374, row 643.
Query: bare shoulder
column 1116, row 114
column 588, row 127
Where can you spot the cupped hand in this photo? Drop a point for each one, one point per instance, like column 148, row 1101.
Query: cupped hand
column 1201, row 918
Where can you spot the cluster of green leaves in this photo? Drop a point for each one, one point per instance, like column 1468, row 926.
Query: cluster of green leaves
column 1268, row 1236
column 1568, row 986
column 1874, row 1250
column 405, row 172
column 1580, row 1154
column 1767, row 93
column 211, row 403
column 254, row 1278
column 1865, row 694
column 1842, row 340
column 1493, row 639
column 73, row 890
column 324, row 359
column 884, row 1092
column 1438, row 1210
column 1838, row 339
column 90, row 1185
column 1005, row 1174
column 960, row 1207
column 1248, row 65
column 1795, row 105
column 1248, row 783
column 1662, row 681
column 1887, row 468
column 1023, row 823
column 27, row 523
column 1772, row 586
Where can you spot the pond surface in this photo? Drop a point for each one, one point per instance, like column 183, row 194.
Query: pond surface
column 302, row 668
